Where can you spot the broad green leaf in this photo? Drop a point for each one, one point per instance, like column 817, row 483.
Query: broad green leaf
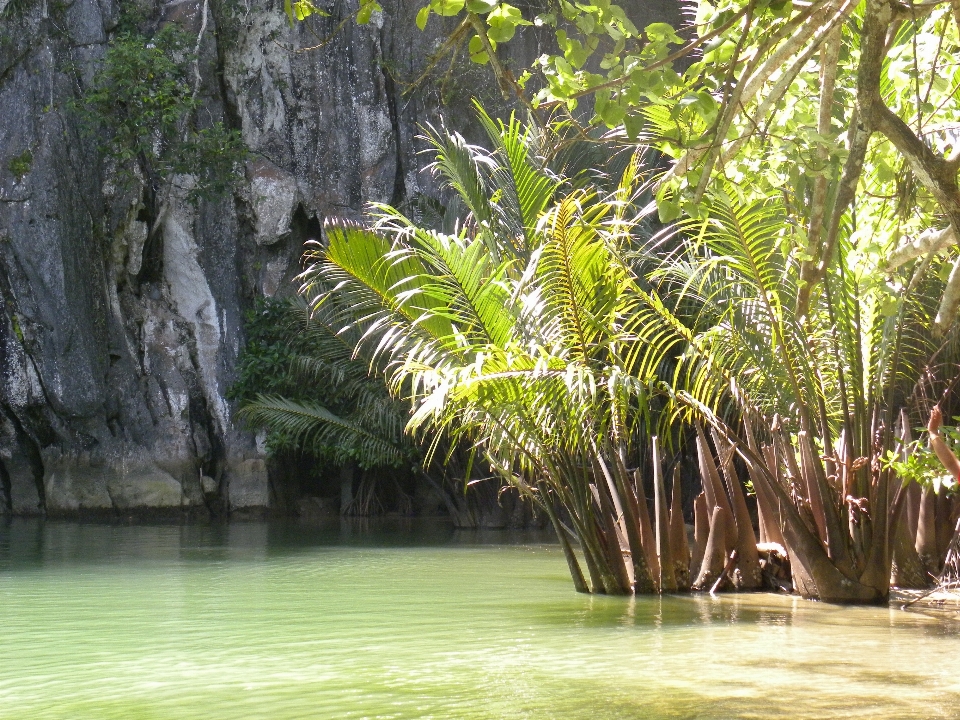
column 446, row 8
column 366, row 10
column 662, row 32
column 481, row 7
column 423, row 16
column 633, row 124
column 477, row 52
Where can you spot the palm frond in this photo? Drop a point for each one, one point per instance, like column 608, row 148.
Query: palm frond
column 310, row 424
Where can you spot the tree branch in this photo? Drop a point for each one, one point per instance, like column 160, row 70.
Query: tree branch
column 829, row 56
column 505, row 78
column 873, row 47
column 928, row 242
column 815, row 31
column 950, row 302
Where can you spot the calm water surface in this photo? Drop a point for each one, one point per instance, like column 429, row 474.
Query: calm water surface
column 418, row 621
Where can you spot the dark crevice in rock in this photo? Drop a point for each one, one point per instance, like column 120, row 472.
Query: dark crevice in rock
column 207, row 438
column 28, row 444
column 6, row 505
column 304, row 227
column 399, row 187
column 151, row 267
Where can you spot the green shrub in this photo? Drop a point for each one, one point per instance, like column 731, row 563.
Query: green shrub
column 143, row 102
column 21, row 164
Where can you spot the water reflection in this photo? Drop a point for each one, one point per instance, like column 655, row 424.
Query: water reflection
column 27, row 543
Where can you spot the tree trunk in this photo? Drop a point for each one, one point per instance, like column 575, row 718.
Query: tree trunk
column 646, row 529
column 907, row 571
column 613, row 546
column 701, row 531
column 815, row 574
column 912, row 510
column 668, row 581
column 643, row 582
column 679, row 546
column 766, row 502
column 715, row 555
column 807, row 472
column 926, row 542
column 573, row 565
column 944, row 526
column 713, row 489
column 747, row 574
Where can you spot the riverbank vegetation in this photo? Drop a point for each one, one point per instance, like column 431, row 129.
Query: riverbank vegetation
column 771, row 281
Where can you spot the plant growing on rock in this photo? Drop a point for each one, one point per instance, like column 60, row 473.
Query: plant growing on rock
column 144, row 103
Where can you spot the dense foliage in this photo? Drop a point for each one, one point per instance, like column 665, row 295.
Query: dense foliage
column 800, row 308
column 144, row 103
column 304, row 385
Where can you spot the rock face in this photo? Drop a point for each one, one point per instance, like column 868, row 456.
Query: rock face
column 121, row 326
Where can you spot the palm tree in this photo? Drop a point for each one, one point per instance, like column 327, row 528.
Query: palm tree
column 811, row 403
column 508, row 334
column 532, row 330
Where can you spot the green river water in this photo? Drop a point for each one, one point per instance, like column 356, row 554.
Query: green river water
column 416, row 620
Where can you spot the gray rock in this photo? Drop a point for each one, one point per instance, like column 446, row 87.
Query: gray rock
column 122, row 320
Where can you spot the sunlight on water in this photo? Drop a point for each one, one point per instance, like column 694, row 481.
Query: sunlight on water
column 417, row 621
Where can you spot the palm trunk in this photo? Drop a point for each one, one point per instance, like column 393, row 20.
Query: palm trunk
column 668, row 581
column 944, row 526
column 912, row 511
column 713, row 489
column 747, row 576
column 906, row 570
column 646, row 528
column 617, row 578
column 715, row 555
column 926, row 542
column 815, row 574
column 571, row 557
column 701, row 532
column 643, row 582
column 679, row 546
column 767, row 504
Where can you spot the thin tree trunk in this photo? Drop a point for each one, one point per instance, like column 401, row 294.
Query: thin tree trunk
column 906, row 570
column 679, row 546
column 571, row 557
column 715, row 555
column 747, row 576
column 668, row 581
column 926, row 543
column 642, row 579
column 944, row 526
column 812, row 488
column 613, row 545
column 767, row 505
column 912, row 511
column 701, row 531
column 646, row 528
column 713, row 489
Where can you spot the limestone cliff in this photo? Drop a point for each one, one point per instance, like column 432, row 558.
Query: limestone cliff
column 121, row 324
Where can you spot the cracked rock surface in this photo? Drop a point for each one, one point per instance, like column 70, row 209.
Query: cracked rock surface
column 120, row 327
